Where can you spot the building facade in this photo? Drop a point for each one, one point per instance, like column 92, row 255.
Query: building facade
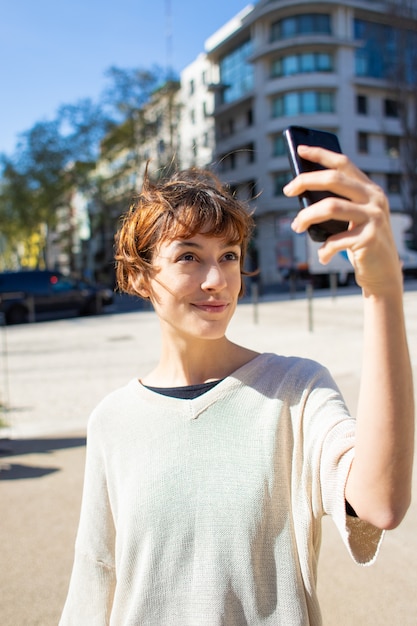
column 316, row 64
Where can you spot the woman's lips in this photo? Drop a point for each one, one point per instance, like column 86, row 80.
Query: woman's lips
column 211, row 307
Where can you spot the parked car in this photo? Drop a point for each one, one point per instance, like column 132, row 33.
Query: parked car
column 28, row 295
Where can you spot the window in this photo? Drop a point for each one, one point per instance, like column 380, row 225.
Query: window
column 191, row 87
column 278, row 146
column 302, row 64
column 361, row 105
column 363, row 143
column 385, row 51
column 279, row 181
column 392, row 146
column 391, row 108
column 393, row 182
column 249, row 117
column 228, row 161
column 307, row 24
column 250, row 151
column 206, row 140
column 295, row 103
column 192, row 116
column 236, row 73
column 244, row 191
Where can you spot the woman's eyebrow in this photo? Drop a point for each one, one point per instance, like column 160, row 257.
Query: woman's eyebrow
column 188, row 243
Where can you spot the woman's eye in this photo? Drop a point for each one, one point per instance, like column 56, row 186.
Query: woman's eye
column 231, row 256
column 188, row 256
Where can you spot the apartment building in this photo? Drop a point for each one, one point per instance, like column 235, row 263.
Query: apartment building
column 317, row 64
column 197, row 138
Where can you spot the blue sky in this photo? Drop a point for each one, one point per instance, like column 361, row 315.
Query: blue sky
column 56, row 52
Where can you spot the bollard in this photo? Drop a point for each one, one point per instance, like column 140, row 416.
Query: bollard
column 333, row 285
column 309, row 293
column 4, row 398
column 31, row 308
column 255, row 300
column 293, row 284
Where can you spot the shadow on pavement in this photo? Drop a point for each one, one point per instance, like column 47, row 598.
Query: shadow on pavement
column 17, row 447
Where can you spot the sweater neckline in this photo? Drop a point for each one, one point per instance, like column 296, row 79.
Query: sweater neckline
column 192, row 408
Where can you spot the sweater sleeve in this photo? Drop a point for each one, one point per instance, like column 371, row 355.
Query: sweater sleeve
column 90, row 595
column 331, row 437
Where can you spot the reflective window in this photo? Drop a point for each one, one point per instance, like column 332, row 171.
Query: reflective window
column 385, row 52
column 361, row 104
column 278, row 145
column 302, row 63
column 393, row 183
column 236, row 73
column 301, row 25
column 392, row 146
column 280, row 179
column 294, row 103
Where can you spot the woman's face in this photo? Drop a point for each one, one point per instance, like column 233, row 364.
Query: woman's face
column 196, row 285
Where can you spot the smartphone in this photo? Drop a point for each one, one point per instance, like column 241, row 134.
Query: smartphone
column 298, row 135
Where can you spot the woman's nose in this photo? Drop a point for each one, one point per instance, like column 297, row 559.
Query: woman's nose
column 214, row 278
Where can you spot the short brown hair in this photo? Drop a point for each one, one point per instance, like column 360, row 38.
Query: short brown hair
column 189, row 202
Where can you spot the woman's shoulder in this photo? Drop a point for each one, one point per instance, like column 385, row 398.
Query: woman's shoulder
column 116, row 401
column 269, row 361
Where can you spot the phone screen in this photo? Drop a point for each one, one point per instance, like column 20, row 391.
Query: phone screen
column 298, row 135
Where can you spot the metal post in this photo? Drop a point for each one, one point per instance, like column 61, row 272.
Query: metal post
column 333, row 284
column 255, row 300
column 309, row 293
column 31, row 308
column 4, row 398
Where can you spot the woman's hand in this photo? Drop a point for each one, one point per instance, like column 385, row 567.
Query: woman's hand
column 369, row 240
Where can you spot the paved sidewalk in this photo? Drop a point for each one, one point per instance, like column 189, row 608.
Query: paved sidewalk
column 51, row 376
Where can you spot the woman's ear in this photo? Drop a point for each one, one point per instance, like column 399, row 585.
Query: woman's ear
column 140, row 285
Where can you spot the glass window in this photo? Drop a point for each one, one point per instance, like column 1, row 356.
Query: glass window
column 301, row 25
column 361, row 104
column 307, row 62
column 289, row 27
column 393, row 182
column 325, row 102
column 280, row 180
column 324, row 62
column 294, row 103
column 363, row 143
column 385, row 51
column 391, row 108
column 392, row 146
column 290, row 65
column 302, row 63
column 278, row 145
column 236, row 73
column 308, row 102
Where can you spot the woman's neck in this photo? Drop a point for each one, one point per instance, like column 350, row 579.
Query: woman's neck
column 186, row 365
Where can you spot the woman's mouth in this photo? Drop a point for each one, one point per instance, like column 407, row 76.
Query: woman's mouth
column 211, row 307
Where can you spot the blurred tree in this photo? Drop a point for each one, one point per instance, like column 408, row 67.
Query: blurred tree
column 54, row 159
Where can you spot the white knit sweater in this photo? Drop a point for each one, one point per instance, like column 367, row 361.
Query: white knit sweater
column 207, row 512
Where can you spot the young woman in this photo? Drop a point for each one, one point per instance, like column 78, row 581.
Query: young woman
column 207, row 478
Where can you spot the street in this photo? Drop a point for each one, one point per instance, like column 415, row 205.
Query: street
column 52, row 374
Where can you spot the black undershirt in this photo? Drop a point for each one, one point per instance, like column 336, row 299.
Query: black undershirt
column 189, row 392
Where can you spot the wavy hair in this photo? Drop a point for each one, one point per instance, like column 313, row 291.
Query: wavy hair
column 189, row 202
